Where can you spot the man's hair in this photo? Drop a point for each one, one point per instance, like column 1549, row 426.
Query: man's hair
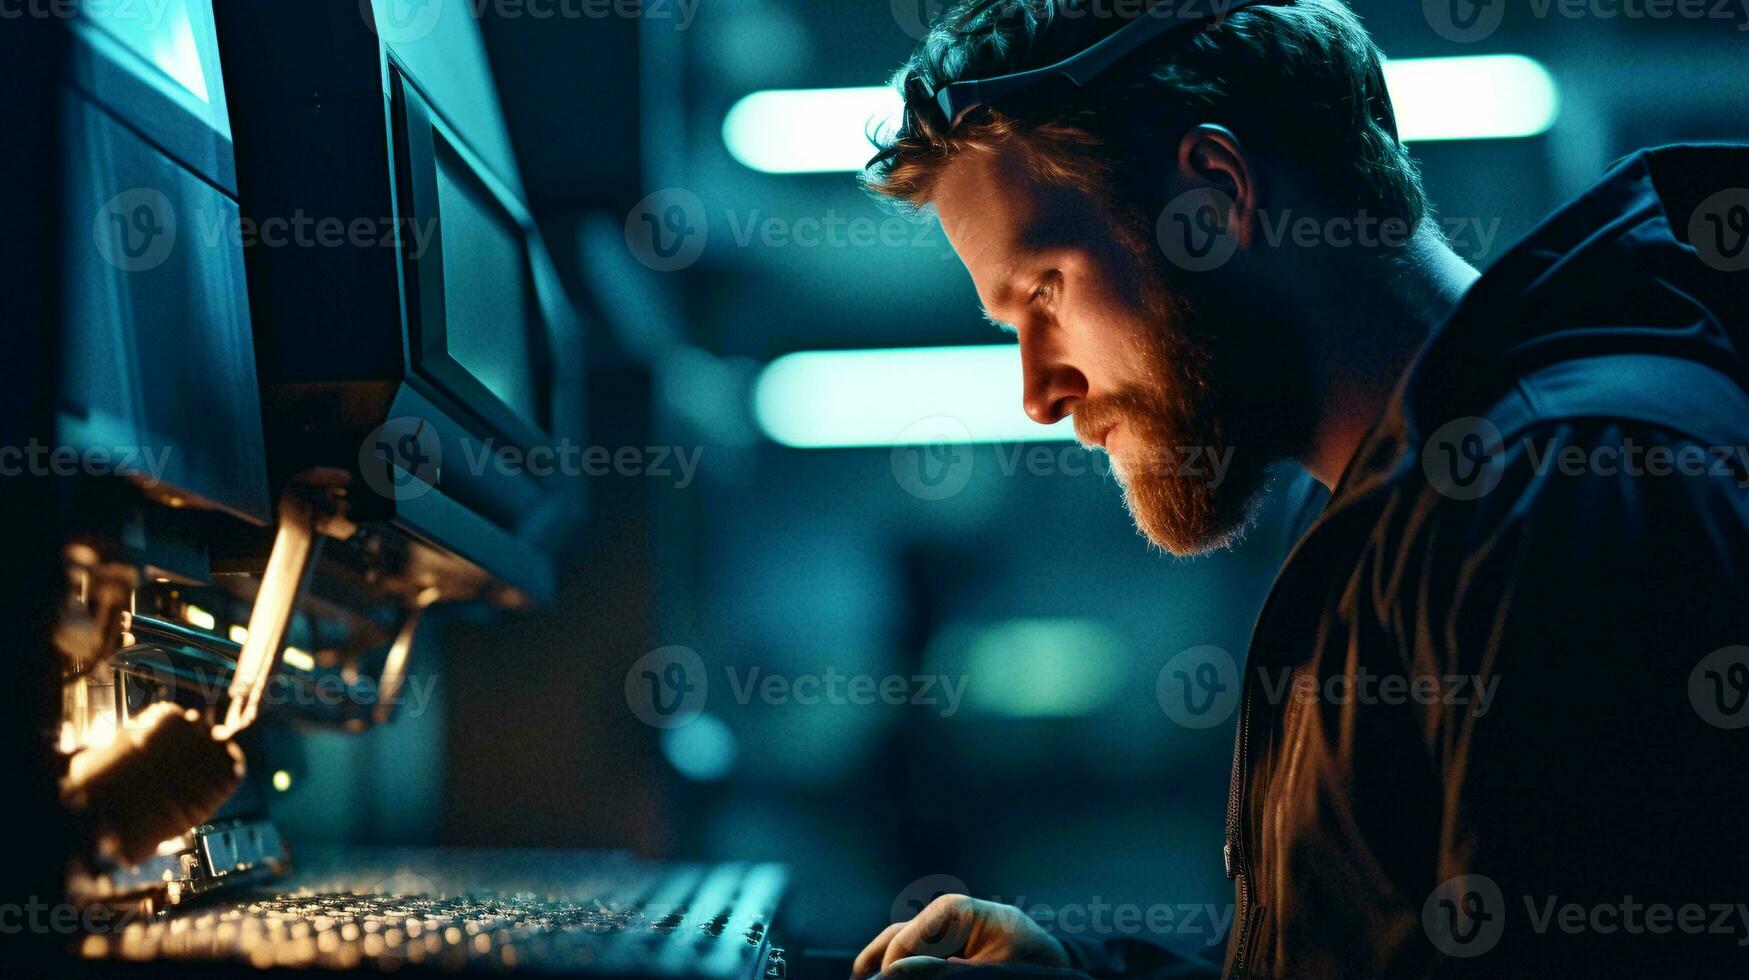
column 1299, row 81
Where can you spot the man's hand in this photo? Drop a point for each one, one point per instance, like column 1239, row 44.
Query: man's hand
column 957, row 929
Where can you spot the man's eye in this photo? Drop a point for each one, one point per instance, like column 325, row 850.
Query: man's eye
column 1047, row 290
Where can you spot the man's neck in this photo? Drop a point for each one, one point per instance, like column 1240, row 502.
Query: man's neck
column 1365, row 335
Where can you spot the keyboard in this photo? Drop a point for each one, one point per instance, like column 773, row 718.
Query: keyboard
column 547, row 912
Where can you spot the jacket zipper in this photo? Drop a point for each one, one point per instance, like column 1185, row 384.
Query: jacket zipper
column 1233, row 853
column 1238, row 862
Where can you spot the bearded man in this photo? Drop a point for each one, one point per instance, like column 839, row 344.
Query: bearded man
column 1536, row 477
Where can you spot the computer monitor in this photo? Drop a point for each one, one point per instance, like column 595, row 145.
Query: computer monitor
column 441, row 335
column 157, row 371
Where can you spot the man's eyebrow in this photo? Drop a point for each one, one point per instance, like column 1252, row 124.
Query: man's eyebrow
column 998, row 323
column 1003, row 290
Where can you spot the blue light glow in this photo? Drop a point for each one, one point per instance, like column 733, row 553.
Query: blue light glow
column 1497, row 96
column 786, row 131
column 1032, row 668
column 702, row 750
column 907, row 396
column 1500, row 96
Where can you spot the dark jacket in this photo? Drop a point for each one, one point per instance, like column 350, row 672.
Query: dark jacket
column 1487, row 726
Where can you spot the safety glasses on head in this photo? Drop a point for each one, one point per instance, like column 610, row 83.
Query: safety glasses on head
column 959, row 98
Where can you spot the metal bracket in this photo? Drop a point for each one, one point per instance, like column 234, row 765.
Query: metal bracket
column 310, row 508
column 395, row 666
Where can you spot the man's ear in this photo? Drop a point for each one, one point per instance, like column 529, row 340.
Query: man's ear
column 1211, row 156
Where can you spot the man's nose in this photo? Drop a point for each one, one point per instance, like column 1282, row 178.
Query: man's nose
column 1053, row 387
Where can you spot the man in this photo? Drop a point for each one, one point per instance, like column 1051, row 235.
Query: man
column 1490, row 709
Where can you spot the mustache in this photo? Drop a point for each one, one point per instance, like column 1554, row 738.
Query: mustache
column 1096, row 416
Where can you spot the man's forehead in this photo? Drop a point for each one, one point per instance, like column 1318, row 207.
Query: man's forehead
column 984, row 192
column 989, row 199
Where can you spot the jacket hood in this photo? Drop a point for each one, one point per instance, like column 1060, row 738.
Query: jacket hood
column 1650, row 260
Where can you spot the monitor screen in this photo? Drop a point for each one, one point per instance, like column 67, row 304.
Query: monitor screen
column 169, row 44
column 490, row 311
